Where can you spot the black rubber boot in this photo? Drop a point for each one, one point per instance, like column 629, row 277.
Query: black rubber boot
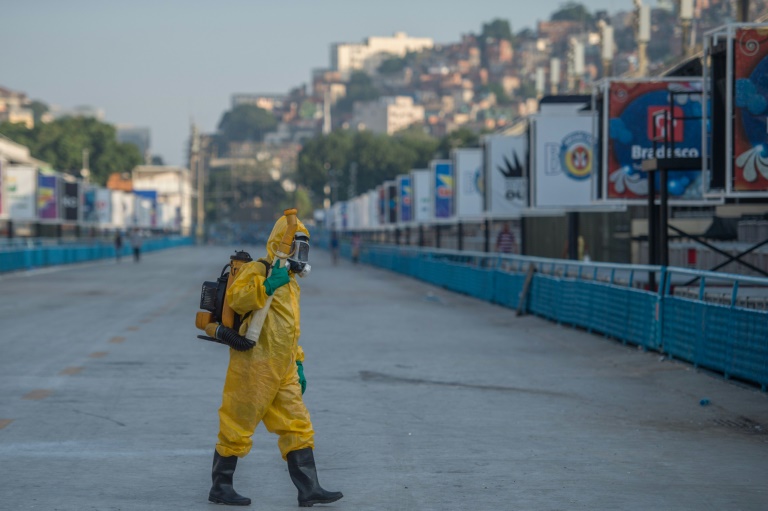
column 301, row 466
column 222, row 491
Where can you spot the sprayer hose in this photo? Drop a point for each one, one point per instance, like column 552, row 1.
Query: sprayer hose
column 234, row 340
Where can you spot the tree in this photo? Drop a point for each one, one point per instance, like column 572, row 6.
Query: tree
column 359, row 88
column 392, row 65
column 462, row 137
column 246, row 123
column 61, row 144
column 38, row 110
column 573, row 11
column 497, row 29
column 501, row 96
column 377, row 159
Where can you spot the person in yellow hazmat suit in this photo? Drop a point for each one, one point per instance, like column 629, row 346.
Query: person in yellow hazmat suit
column 265, row 384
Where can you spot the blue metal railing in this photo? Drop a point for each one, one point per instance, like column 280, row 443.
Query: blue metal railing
column 610, row 299
column 36, row 255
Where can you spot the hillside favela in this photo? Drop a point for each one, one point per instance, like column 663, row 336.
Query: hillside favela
column 529, row 244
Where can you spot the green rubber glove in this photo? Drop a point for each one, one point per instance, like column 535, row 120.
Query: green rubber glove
column 302, row 380
column 278, row 278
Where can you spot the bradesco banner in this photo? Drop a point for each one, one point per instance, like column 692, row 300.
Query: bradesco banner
column 70, row 201
column 506, row 185
column 19, row 193
column 47, row 203
column 750, row 143
column 443, row 183
column 637, row 111
column 422, row 195
column 564, row 160
column 469, row 182
column 405, row 192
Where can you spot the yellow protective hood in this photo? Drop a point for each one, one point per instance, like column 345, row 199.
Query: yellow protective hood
column 277, row 235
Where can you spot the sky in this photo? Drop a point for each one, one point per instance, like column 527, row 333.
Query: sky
column 161, row 64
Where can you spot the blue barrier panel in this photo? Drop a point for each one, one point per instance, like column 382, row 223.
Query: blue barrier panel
column 729, row 339
column 25, row 258
column 507, row 288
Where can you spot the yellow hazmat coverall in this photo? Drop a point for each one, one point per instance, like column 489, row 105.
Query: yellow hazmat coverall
column 262, row 384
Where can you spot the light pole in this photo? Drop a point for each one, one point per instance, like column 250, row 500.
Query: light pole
column 643, row 13
column 197, row 165
column 607, row 48
column 686, row 20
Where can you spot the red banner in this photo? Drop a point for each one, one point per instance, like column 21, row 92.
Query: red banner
column 750, row 135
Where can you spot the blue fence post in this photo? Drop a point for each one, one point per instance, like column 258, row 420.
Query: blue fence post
column 660, row 309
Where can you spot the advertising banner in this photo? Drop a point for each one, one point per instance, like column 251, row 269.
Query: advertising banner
column 382, row 202
column 119, row 218
column 89, row 205
column 19, row 193
column 444, row 186
column 638, row 112
column 564, row 156
column 421, row 180
column 2, row 213
column 392, row 207
column 47, row 203
column 143, row 210
column 373, row 208
column 506, row 183
column 405, row 192
column 469, row 182
column 365, row 210
column 70, row 201
column 750, row 143
column 103, row 206
column 151, row 196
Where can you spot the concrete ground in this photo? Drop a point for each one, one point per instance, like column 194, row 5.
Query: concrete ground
column 421, row 400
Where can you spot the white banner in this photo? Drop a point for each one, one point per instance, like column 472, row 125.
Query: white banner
column 365, row 211
column 469, row 182
column 506, row 192
column 142, row 211
column 422, row 195
column 19, row 193
column 373, row 208
column 564, row 160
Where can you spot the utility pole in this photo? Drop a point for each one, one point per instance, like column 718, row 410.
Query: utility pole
column 352, row 190
column 643, row 13
column 86, row 171
column 743, row 11
column 554, row 76
column 686, row 20
column 607, row 48
column 197, row 166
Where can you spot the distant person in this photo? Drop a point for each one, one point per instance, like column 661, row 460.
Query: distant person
column 335, row 247
column 118, row 245
column 356, row 242
column 136, row 245
column 505, row 241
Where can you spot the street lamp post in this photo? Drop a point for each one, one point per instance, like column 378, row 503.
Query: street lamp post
column 686, row 20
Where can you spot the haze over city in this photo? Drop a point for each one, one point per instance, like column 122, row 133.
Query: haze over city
column 161, row 64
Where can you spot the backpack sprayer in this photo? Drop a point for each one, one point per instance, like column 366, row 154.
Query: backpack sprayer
column 219, row 321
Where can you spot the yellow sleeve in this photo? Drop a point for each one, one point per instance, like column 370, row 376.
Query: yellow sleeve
column 247, row 292
column 299, row 354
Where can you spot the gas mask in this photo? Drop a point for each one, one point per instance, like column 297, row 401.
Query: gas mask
column 298, row 262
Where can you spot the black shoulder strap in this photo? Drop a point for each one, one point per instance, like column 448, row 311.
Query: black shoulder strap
column 267, row 267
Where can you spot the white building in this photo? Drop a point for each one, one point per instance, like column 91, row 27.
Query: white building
column 367, row 56
column 174, row 194
column 387, row 114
